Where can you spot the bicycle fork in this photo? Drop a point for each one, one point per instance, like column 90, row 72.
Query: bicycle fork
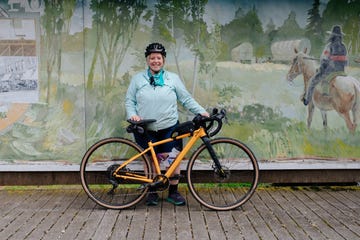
column 217, row 166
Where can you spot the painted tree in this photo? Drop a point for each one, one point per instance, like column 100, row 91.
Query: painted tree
column 270, row 32
column 169, row 21
column 195, row 32
column 209, row 51
column 56, row 16
column 352, row 28
column 345, row 14
column 290, row 28
column 243, row 28
column 314, row 31
column 115, row 23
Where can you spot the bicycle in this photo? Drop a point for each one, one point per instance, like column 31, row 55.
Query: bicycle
column 222, row 173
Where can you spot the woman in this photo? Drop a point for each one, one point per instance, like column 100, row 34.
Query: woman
column 154, row 94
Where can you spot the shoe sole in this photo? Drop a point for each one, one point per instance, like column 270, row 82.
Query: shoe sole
column 175, row 203
column 151, row 203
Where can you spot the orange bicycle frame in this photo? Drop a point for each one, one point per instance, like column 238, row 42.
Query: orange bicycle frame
column 195, row 136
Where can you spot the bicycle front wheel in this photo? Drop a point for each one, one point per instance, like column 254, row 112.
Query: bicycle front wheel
column 97, row 168
column 228, row 189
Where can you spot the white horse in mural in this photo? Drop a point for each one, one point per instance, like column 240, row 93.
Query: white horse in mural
column 344, row 92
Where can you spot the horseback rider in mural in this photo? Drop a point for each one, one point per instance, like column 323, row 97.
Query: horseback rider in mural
column 332, row 63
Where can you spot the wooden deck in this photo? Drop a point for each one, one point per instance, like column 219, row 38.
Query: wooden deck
column 65, row 212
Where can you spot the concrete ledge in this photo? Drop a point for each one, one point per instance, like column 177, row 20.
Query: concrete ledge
column 308, row 164
column 282, row 172
column 304, row 176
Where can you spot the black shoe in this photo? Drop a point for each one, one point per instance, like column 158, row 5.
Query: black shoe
column 152, row 199
column 176, row 199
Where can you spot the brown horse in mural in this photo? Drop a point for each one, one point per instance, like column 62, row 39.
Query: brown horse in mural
column 343, row 97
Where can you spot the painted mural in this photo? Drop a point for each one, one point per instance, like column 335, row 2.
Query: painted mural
column 65, row 67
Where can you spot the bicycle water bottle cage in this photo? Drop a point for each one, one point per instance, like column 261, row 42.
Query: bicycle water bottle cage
column 183, row 128
column 138, row 126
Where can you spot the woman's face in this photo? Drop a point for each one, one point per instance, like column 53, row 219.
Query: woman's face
column 155, row 61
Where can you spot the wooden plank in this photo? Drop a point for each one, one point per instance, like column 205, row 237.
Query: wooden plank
column 10, row 202
column 259, row 223
column 72, row 208
column 293, row 220
column 20, row 215
column 272, row 221
column 91, row 223
column 348, row 200
column 137, row 222
column 353, row 200
column 285, row 219
column 339, row 202
column 59, row 205
column 245, row 223
column 229, row 224
column 214, row 226
column 231, row 227
column 329, row 214
column 107, row 223
column 122, row 224
column 36, row 217
column 295, row 212
column 77, row 221
column 153, row 221
column 299, row 199
column 182, row 218
column 168, row 223
column 272, row 213
column 197, row 218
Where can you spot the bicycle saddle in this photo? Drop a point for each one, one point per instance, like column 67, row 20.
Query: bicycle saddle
column 138, row 126
column 142, row 122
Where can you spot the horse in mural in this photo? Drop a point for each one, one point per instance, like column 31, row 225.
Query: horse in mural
column 343, row 92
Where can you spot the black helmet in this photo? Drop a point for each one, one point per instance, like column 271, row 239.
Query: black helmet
column 155, row 48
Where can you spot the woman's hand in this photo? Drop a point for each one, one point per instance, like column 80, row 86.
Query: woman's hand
column 135, row 118
column 205, row 114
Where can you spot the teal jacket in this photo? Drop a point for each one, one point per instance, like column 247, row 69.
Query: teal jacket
column 159, row 102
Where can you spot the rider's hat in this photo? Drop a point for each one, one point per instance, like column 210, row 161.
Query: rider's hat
column 336, row 31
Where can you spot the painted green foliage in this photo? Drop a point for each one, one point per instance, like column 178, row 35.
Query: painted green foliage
column 84, row 74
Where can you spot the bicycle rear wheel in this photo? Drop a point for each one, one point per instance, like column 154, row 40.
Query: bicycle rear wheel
column 98, row 164
column 223, row 192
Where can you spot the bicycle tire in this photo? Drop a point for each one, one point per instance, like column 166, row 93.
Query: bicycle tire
column 215, row 192
column 96, row 179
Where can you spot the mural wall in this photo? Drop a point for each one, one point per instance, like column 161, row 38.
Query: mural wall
column 65, row 67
